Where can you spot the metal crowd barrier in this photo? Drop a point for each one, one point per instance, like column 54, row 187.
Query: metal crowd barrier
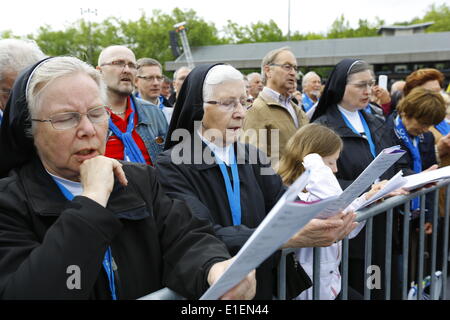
column 387, row 207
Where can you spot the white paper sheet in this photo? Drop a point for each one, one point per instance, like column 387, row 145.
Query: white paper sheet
column 418, row 180
column 376, row 168
column 283, row 221
column 396, row 182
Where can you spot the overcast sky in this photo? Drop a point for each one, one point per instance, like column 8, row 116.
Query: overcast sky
column 23, row 17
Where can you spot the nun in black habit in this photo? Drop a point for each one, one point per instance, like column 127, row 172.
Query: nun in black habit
column 193, row 170
column 342, row 108
column 123, row 241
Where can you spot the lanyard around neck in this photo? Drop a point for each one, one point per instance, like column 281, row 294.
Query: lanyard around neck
column 233, row 193
column 366, row 131
column 413, row 147
column 107, row 260
column 131, row 150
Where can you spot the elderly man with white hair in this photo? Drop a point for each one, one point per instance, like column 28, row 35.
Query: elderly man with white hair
column 311, row 85
column 15, row 55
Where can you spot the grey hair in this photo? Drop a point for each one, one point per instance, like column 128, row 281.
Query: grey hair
column 144, row 62
column 56, row 68
column 16, row 55
column 250, row 76
column 178, row 70
column 307, row 76
column 218, row 75
column 357, row 67
column 269, row 59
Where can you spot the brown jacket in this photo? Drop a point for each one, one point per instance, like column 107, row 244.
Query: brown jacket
column 276, row 123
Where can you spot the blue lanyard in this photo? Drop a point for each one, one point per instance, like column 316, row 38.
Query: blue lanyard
column 413, row 147
column 367, row 109
column 107, row 260
column 131, row 150
column 443, row 127
column 307, row 102
column 161, row 105
column 366, row 131
column 1, row 118
column 234, row 194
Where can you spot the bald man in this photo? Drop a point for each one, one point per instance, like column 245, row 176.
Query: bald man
column 137, row 128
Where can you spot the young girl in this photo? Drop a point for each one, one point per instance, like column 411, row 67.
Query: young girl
column 317, row 148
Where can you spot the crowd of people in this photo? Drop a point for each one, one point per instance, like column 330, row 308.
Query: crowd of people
column 143, row 183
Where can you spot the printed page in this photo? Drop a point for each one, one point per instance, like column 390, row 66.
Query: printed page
column 418, row 180
column 376, row 168
column 282, row 222
column 393, row 184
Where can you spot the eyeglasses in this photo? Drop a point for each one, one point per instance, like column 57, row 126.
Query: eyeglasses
column 286, row 67
column 69, row 120
column 121, row 64
column 152, row 78
column 230, row 104
column 364, row 85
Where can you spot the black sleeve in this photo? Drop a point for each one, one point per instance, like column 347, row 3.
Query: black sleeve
column 30, row 269
column 178, row 187
column 188, row 244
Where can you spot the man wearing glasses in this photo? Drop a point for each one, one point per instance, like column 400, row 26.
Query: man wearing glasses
column 137, row 128
column 273, row 117
column 149, row 82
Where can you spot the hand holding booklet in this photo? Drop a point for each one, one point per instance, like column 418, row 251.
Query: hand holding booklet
column 376, row 168
column 284, row 220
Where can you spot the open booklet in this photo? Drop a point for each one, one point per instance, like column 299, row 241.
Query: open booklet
column 284, row 220
column 376, row 168
column 411, row 182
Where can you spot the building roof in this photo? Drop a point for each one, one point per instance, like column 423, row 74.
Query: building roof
column 409, row 27
column 374, row 50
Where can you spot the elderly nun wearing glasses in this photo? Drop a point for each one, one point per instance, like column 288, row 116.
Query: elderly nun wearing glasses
column 77, row 225
column 225, row 182
column 342, row 107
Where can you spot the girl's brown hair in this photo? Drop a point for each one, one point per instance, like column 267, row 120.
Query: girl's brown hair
column 311, row 138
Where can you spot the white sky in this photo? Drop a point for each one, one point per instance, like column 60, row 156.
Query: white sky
column 23, row 17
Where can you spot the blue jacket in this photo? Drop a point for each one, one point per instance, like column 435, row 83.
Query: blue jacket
column 152, row 126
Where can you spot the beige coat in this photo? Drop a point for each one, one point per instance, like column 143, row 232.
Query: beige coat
column 268, row 126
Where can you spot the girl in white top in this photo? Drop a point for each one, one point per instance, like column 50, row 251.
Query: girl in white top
column 317, row 148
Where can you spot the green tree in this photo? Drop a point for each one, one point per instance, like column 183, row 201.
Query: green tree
column 149, row 37
column 440, row 15
column 257, row 32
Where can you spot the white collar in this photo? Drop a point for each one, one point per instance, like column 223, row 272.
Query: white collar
column 223, row 153
column 353, row 118
column 76, row 188
column 277, row 96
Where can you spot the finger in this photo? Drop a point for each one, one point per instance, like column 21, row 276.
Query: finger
column 119, row 173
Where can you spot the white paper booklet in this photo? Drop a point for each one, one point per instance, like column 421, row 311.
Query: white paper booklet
column 376, row 168
column 418, row 180
column 284, row 220
column 396, row 182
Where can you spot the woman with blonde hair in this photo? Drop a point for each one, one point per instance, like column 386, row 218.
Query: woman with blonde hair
column 317, row 148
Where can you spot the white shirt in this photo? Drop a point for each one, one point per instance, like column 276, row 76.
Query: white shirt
column 223, row 153
column 353, row 118
column 76, row 188
column 323, row 184
column 284, row 101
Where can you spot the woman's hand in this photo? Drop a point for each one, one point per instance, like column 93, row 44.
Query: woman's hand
column 97, row 177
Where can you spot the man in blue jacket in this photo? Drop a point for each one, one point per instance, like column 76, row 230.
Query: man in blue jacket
column 137, row 128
